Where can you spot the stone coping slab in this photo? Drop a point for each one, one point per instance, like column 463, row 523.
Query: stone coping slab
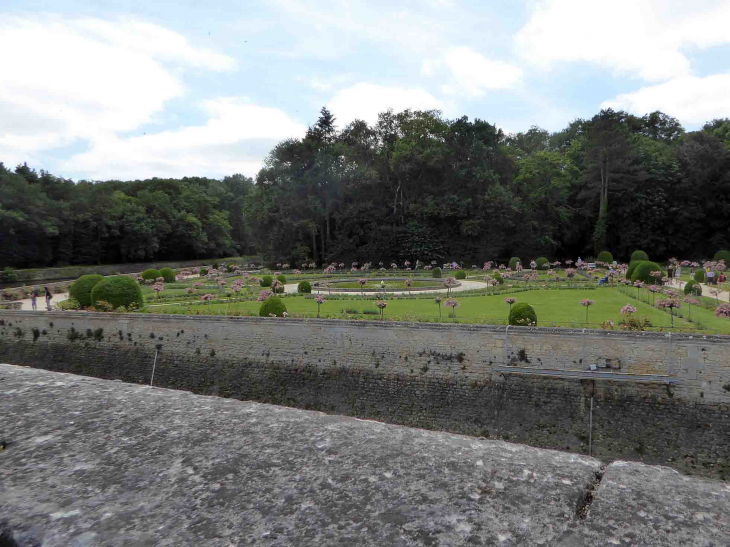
column 98, row 462
column 10, row 315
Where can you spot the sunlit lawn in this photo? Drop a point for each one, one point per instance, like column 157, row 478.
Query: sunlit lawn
column 553, row 307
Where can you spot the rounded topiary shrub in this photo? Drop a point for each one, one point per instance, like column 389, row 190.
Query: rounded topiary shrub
column 119, row 290
column 513, row 262
column 230, row 267
column 523, row 315
column 282, row 279
column 632, row 267
column 542, row 263
column 266, row 281
column 693, row 287
column 151, row 274
column 700, row 275
column 203, row 271
column 498, row 278
column 272, row 305
column 722, row 255
column 643, row 270
column 168, row 274
column 638, row 255
column 436, row 273
column 80, row 289
column 605, row 257
column 461, row 274
column 304, row 287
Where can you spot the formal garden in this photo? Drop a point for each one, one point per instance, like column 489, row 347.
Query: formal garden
column 601, row 294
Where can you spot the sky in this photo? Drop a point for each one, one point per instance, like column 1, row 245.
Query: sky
column 101, row 90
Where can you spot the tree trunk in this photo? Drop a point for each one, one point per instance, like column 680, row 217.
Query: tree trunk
column 324, row 247
column 327, row 220
column 314, row 242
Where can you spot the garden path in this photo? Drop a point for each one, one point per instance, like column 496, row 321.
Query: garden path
column 41, row 302
column 723, row 296
column 466, row 285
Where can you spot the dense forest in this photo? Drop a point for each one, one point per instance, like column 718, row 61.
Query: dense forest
column 413, row 186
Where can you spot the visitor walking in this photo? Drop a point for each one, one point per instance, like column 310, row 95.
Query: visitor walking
column 33, row 297
column 670, row 273
column 710, row 277
column 49, row 297
column 721, row 280
column 678, row 274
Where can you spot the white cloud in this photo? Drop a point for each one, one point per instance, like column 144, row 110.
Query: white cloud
column 471, row 72
column 475, row 73
column 690, row 99
column 429, row 67
column 365, row 101
column 236, row 138
column 643, row 38
column 66, row 80
column 320, row 86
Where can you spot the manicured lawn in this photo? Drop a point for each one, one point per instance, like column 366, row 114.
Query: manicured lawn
column 553, row 307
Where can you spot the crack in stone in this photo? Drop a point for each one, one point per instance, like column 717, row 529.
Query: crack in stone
column 588, row 494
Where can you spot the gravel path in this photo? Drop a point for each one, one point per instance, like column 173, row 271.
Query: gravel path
column 466, row 285
column 723, row 296
column 41, row 302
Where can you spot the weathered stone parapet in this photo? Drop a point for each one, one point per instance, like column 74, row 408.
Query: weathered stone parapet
column 94, row 462
column 438, row 376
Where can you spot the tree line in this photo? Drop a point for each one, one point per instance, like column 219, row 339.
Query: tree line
column 412, row 186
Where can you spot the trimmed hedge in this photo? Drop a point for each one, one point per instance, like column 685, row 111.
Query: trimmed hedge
column 80, row 290
column 203, row 271
column 436, row 273
column 304, row 287
column 119, row 290
column 693, row 287
column 151, row 274
column 282, row 279
column 461, row 274
column 168, row 274
column 542, row 263
column 513, row 262
column 605, row 257
column 272, row 305
column 642, row 271
column 632, row 267
column 8, row 275
column 522, row 314
column 722, row 255
column 638, row 255
column 700, row 275
column 266, row 281
column 498, row 278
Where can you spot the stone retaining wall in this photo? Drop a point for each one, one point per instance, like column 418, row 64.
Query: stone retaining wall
column 436, row 376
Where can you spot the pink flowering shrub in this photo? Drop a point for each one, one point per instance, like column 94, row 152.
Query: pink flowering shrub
column 723, row 310
column 264, row 295
column 628, row 309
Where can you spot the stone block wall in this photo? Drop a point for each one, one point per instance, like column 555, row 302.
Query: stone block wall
column 436, row 376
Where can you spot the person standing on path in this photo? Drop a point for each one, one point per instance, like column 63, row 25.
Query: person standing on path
column 49, row 296
column 710, row 277
column 33, row 297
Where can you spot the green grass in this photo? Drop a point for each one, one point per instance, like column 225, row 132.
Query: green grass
column 553, row 307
